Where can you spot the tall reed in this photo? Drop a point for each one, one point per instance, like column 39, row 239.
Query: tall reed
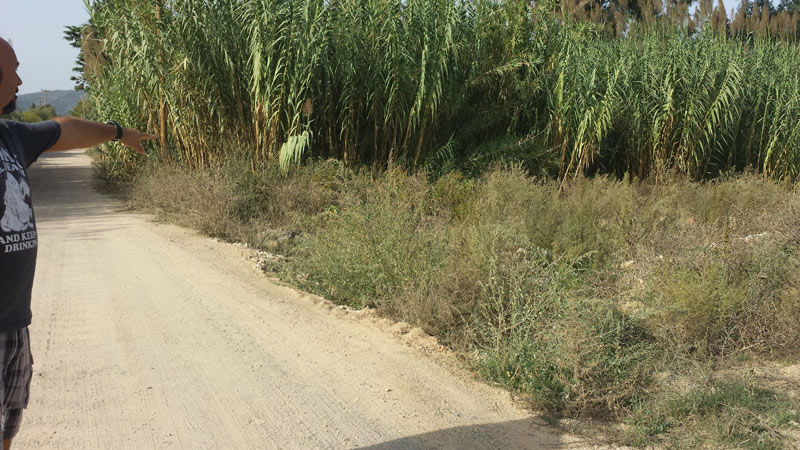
column 451, row 84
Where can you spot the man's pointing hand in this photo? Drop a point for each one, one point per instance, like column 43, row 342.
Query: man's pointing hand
column 133, row 138
column 79, row 133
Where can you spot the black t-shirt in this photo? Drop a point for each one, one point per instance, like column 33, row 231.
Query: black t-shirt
column 20, row 145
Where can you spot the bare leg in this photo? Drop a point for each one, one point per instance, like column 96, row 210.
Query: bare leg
column 6, row 444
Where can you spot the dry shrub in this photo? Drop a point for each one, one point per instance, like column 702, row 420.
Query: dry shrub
column 534, row 332
column 587, row 218
column 238, row 201
column 267, row 194
column 452, row 195
column 736, row 297
column 730, row 412
column 605, row 358
column 714, row 265
column 195, row 199
column 441, row 302
column 375, row 244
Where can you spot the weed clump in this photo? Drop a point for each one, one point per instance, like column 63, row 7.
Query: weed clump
column 733, row 413
column 372, row 245
column 571, row 355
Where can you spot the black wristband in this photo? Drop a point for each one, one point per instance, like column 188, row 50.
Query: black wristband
column 119, row 129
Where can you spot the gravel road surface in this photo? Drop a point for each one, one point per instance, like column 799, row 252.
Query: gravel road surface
column 149, row 336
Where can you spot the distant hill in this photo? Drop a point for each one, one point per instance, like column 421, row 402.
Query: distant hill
column 62, row 101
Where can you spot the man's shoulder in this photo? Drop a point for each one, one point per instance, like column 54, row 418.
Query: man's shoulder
column 12, row 135
column 8, row 126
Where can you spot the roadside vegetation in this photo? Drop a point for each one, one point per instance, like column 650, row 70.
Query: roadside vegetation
column 36, row 113
column 643, row 305
column 594, row 203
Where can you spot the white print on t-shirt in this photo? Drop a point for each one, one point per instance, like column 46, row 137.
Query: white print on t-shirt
column 17, row 230
column 18, row 214
column 7, row 163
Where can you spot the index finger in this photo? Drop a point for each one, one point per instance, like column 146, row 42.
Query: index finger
column 138, row 148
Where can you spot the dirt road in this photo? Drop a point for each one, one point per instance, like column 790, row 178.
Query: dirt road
column 148, row 336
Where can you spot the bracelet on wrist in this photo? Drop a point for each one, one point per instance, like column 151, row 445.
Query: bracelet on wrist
column 119, row 129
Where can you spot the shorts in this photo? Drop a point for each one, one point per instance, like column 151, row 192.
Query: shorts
column 16, row 362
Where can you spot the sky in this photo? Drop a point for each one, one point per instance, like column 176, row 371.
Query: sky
column 35, row 29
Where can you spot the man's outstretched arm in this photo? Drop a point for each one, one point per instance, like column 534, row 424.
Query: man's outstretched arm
column 79, row 133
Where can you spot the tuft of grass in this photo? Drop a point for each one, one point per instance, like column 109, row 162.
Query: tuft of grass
column 720, row 413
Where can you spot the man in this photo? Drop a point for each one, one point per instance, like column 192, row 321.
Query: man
column 20, row 145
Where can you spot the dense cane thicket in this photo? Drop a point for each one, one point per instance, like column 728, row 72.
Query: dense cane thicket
column 567, row 89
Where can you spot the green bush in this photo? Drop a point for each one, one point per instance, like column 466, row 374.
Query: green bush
column 367, row 250
column 534, row 333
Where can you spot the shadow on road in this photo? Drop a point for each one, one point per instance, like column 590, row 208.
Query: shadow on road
column 65, row 197
column 62, row 189
column 529, row 434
